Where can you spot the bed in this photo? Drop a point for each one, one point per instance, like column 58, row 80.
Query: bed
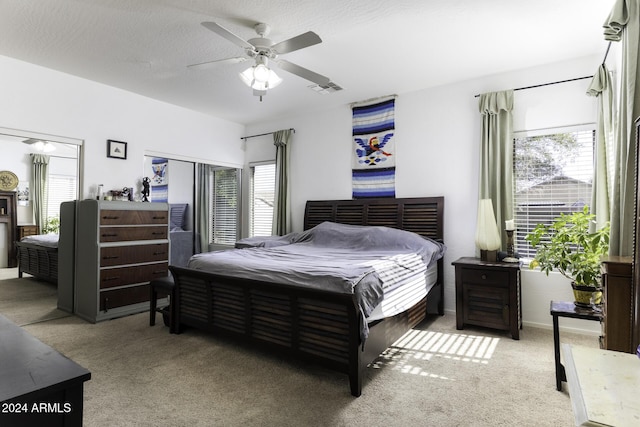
column 324, row 326
column 38, row 256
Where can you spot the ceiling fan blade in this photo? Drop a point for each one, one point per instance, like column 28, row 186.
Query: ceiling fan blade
column 303, row 72
column 298, row 42
column 216, row 63
column 223, row 32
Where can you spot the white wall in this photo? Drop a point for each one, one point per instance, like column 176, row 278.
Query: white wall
column 41, row 100
column 437, row 149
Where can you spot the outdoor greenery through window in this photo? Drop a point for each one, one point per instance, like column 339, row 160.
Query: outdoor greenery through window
column 224, row 205
column 263, row 181
column 553, row 174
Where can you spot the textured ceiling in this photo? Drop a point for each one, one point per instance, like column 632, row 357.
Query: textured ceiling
column 370, row 47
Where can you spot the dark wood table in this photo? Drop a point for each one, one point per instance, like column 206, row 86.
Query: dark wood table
column 567, row 309
column 38, row 385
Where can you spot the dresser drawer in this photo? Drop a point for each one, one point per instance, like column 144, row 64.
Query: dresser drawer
column 127, row 234
column 120, row 255
column 125, row 217
column 485, row 276
column 112, row 277
column 121, row 297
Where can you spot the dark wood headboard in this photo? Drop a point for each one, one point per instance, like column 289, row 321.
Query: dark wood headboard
column 421, row 215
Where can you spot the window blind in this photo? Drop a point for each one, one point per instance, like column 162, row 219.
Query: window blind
column 262, row 199
column 224, row 206
column 553, row 174
column 60, row 188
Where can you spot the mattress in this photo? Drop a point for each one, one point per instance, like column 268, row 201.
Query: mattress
column 46, row 240
column 403, row 297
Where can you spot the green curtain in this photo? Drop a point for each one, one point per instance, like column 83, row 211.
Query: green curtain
column 601, row 197
column 496, row 156
column 203, row 200
column 38, row 190
column 623, row 24
column 282, row 196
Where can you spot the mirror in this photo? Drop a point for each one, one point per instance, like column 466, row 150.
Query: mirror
column 65, row 178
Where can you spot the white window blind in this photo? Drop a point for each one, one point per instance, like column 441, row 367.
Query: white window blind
column 553, row 174
column 60, row 188
column 262, row 199
column 224, row 206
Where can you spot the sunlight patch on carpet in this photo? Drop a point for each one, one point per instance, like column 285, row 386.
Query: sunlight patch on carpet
column 414, row 347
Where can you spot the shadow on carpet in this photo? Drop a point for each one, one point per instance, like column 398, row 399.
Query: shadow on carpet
column 26, row 301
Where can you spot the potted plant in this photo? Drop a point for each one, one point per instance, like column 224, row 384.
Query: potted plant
column 569, row 246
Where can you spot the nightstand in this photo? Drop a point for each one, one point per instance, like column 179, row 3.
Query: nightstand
column 488, row 295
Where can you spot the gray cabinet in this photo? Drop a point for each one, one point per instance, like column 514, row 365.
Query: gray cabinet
column 121, row 247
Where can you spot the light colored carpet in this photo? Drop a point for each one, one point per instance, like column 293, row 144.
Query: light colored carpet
column 437, row 376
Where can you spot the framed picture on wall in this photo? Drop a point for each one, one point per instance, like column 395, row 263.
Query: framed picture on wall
column 116, row 149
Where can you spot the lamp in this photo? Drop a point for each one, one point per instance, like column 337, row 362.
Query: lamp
column 487, row 235
column 260, row 77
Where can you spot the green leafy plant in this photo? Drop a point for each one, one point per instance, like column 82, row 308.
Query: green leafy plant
column 569, row 247
column 52, row 226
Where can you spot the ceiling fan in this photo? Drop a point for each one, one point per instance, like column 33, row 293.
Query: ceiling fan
column 260, row 77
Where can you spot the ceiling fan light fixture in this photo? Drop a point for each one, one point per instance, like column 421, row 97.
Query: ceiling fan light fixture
column 260, row 78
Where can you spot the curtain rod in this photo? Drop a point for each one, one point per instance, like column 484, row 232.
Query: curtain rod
column 263, row 134
column 606, row 53
column 549, row 84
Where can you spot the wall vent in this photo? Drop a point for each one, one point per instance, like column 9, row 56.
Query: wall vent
column 325, row 89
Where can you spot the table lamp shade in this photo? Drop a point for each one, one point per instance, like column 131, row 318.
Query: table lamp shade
column 487, row 233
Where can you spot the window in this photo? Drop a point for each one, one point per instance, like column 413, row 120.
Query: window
column 553, row 174
column 60, row 188
column 224, row 205
column 263, row 181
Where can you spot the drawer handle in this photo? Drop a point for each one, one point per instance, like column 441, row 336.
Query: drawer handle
column 159, row 253
column 110, row 217
column 108, row 279
column 159, row 217
column 484, row 277
column 111, row 257
column 106, row 304
column 109, row 234
column 158, row 233
column 159, row 272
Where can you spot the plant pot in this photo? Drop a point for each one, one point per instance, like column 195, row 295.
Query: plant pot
column 586, row 296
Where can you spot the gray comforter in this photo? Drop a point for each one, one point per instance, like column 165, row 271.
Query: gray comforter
column 334, row 257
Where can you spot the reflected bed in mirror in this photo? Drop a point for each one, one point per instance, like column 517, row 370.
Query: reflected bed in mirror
column 62, row 158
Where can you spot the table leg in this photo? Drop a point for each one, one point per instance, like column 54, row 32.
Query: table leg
column 556, row 349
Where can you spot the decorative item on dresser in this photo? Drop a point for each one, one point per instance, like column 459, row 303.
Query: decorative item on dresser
column 8, row 216
column 488, row 294
column 312, row 322
column 121, row 247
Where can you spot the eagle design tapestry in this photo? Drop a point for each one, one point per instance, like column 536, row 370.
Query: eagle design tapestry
column 374, row 165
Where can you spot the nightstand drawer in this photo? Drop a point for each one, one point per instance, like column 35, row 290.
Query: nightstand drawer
column 485, row 276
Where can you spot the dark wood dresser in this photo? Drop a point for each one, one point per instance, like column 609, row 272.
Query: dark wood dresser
column 488, row 294
column 121, row 247
column 617, row 320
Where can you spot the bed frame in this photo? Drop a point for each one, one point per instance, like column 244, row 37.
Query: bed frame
column 311, row 324
column 39, row 261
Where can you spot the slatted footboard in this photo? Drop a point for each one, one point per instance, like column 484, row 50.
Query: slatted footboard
column 39, row 261
column 310, row 324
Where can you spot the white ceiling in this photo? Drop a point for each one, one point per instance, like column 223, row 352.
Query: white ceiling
column 370, row 47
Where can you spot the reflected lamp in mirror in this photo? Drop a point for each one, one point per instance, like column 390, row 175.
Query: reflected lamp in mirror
column 487, row 234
